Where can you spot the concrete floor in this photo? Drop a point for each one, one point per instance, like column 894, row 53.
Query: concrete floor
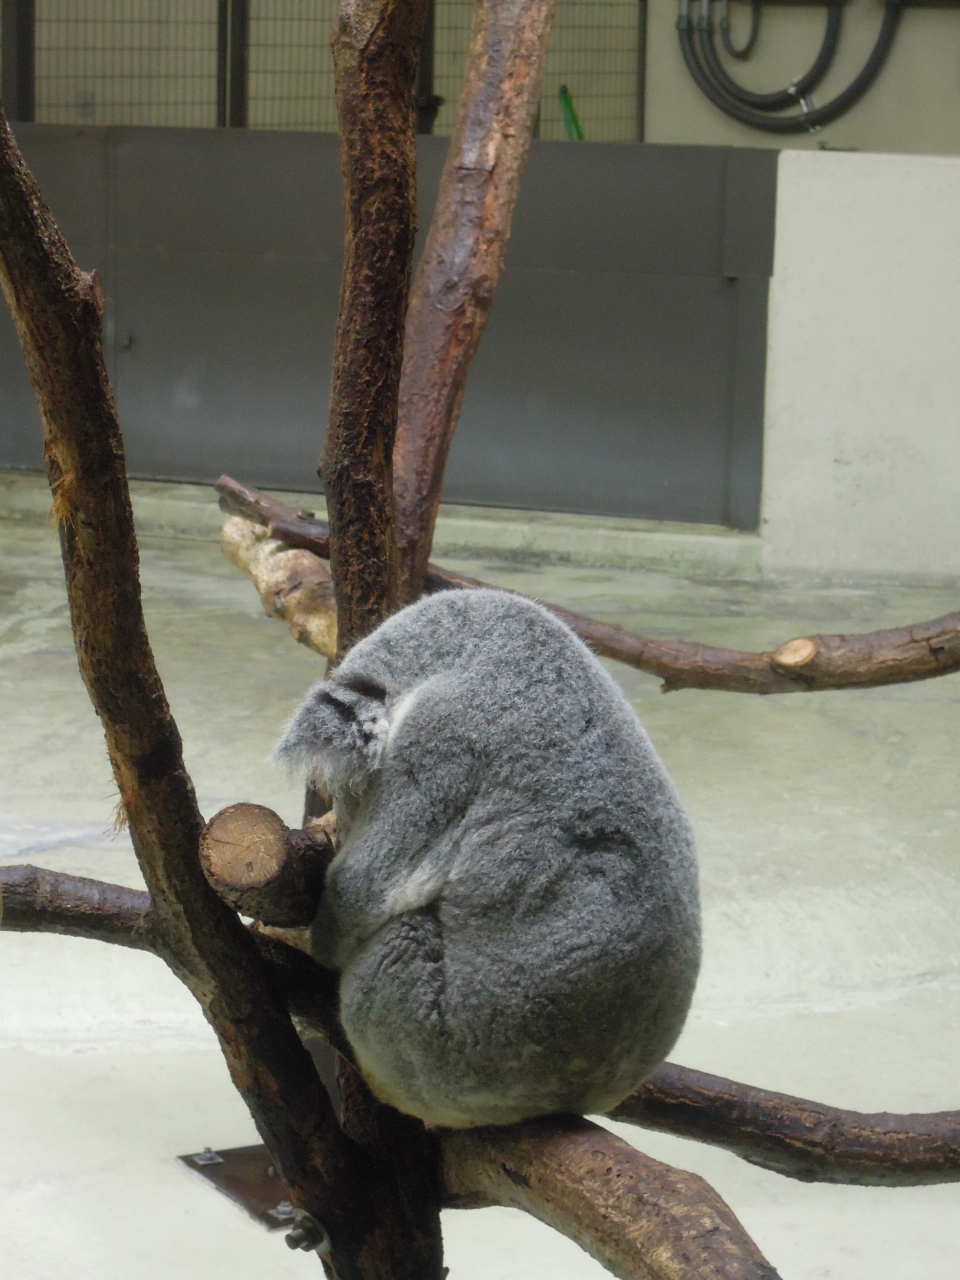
column 829, row 830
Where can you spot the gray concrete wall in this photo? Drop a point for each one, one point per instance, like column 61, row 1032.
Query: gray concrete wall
column 621, row 372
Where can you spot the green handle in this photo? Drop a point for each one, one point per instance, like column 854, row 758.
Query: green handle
column 571, row 121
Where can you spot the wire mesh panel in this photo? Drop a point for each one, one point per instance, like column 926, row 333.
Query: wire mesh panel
column 155, row 62
column 137, row 62
column 593, row 51
column 291, row 66
column 451, row 40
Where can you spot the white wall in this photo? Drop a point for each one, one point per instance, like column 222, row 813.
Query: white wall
column 862, row 439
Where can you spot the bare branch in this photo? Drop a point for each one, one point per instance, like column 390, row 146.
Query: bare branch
column 253, row 504
column 800, row 1139
column 898, row 655
column 640, row 1219
column 33, row 900
column 463, row 258
column 375, row 50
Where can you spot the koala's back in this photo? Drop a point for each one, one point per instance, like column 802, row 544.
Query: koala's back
column 514, row 911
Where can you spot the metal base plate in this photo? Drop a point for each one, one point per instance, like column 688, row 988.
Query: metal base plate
column 247, row 1176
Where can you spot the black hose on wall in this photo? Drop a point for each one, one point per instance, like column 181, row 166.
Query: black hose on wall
column 782, row 98
column 809, row 118
column 747, row 47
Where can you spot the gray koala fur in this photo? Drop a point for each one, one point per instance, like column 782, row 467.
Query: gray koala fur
column 514, row 911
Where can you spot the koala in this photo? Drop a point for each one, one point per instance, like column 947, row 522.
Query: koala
column 514, row 910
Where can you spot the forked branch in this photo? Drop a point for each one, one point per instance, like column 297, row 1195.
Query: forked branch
column 57, row 314
column 790, row 1136
column 35, row 900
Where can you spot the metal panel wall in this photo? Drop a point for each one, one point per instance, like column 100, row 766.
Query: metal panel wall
column 621, row 371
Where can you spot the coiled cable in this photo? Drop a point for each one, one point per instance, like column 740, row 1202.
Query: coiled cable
column 810, row 118
column 789, row 97
column 744, row 52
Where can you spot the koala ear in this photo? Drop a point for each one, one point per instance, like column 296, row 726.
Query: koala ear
column 337, row 732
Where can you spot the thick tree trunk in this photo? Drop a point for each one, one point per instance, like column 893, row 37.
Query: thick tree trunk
column 375, row 49
column 461, row 265
column 57, row 314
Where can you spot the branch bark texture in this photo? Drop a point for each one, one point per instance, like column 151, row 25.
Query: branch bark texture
column 375, row 50
column 463, row 258
column 57, row 313
column 33, row 900
column 639, row 1218
column 797, row 1138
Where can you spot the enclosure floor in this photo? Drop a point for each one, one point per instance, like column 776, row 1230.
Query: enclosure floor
column 829, row 831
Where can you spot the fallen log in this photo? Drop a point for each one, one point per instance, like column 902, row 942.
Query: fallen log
column 799, row 1139
column 806, row 664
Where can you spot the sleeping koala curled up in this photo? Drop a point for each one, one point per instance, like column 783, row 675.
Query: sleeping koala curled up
column 514, row 910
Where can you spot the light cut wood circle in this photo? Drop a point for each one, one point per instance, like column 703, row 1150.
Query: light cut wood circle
column 244, row 846
column 795, row 653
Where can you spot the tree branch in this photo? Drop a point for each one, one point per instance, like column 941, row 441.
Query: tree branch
column 375, row 49
column 799, row 1139
column 34, row 900
column 262, row 868
column 791, row 1136
column 458, row 274
column 292, row 585
column 804, row 665
column 640, row 1219
column 57, row 313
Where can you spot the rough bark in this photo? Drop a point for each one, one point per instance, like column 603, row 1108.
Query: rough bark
column 458, row 274
column 292, row 585
column 640, row 1219
column 797, row 1138
column 806, row 664
column 261, row 868
column 375, row 49
column 34, row 900
column 57, row 313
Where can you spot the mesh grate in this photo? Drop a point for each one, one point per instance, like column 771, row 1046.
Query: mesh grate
column 150, row 62
column 594, row 52
column 154, row 62
column 291, row 67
